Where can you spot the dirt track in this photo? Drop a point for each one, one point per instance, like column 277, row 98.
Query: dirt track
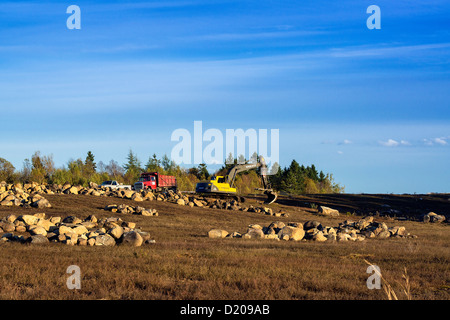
column 398, row 206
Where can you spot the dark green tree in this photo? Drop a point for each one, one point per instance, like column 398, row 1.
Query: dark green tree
column 203, row 173
column 132, row 168
column 153, row 164
column 90, row 164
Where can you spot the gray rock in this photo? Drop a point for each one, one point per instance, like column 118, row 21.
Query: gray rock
column 253, row 233
column 7, row 226
column 132, row 238
column 38, row 239
column 217, row 233
column 312, row 224
column 291, row 233
column 433, row 218
column 116, row 232
column 105, row 240
column 37, row 230
column 41, row 204
column 384, row 234
column 328, row 211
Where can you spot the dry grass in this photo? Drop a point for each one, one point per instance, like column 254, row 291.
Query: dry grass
column 185, row 264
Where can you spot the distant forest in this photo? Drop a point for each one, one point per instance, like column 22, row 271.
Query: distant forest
column 295, row 179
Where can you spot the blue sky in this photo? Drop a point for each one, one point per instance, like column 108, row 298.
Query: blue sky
column 369, row 106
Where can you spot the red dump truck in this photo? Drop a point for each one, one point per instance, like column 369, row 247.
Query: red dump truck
column 155, row 182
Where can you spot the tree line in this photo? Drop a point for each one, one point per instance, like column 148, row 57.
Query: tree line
column 295, row 179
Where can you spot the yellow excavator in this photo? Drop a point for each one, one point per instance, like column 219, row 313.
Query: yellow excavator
column 223, row 186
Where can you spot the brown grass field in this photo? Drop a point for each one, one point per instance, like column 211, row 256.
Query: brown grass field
column 184, row 264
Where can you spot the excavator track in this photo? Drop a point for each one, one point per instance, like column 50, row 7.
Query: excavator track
column 222, row 196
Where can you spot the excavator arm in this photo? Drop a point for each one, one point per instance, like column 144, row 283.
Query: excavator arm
column 267, row 189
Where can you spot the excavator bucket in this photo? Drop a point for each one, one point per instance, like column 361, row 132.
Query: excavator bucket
column 271, row 197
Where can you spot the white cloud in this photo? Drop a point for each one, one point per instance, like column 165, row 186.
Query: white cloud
column 405, row 143
column 389, row 143
column 440, row 141
column 340, row 152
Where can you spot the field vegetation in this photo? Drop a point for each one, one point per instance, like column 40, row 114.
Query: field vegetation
column 185, row 264
column 294, row 179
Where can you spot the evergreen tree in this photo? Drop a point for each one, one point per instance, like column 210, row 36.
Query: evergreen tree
column 167, row 164
column 90, row 164
column 203, row 173
column 321, row 176
column 133, row 163
column 153, row 164
column 132, row 168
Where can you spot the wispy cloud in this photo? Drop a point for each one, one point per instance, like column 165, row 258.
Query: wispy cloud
column 389, row 143
column 442, row 141
column 346, row 141
column 384, row 51
column 252, row 36
column 405, row 143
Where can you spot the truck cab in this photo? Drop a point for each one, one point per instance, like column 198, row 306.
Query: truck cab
column 155, row 182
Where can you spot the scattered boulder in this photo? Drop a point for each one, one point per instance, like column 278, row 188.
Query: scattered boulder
column 217, row 233
column 38, row 239
column 254, row 233
column 37, row 230
column 105, row 240
column 41, row 204
column 116, row 232
column 433, row 217
column 28, row 219
column 319, row 237
column 132, row 238
column 315, row 231
column 126, row 209
column 326, row 211
column 291, row 233
column 7, row 226
column 312, row 224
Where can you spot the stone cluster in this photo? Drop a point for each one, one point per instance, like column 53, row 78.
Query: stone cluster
column 27, row 195
column 315, row 231
column 126, row 209
column 72, row 230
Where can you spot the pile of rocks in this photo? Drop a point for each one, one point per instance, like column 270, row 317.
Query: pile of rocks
column 315, row 231
column 72, row 230
column 31, row 195
column 27, row 195
column 433, row 217
column 126, row 209
column 195, row 201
